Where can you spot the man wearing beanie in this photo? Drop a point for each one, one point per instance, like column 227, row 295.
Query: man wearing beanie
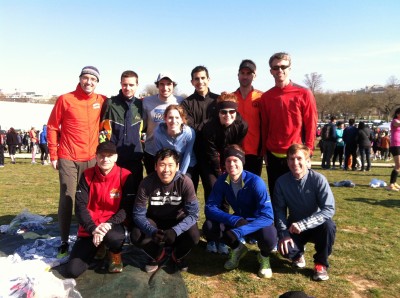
column 253, row 217
column 72, row 134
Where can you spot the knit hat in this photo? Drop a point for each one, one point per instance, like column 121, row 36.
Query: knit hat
column 106, row 147
column 92, row 71
column 231, row 151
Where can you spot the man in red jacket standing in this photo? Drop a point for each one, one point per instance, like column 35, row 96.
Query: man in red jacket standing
column 72, row 133
column 288, row 116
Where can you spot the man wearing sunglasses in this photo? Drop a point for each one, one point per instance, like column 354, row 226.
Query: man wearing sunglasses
column 288, row 116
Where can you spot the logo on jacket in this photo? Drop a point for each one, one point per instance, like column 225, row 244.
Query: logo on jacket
column 166, row 199
column 115, row 194
column 96, row 106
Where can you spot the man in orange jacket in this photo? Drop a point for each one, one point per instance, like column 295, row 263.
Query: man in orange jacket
column 72, row 133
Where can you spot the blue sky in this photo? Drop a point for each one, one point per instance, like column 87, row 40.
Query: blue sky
column 44, row 44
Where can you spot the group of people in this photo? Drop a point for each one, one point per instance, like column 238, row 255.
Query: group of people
column 31, row 141
column 220, row 139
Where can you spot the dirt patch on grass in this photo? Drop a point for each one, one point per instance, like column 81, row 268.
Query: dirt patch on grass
column 361, row 285
column 352, row 229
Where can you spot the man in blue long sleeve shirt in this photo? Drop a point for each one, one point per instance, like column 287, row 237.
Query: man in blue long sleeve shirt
column 307, row 197
column 253, row 216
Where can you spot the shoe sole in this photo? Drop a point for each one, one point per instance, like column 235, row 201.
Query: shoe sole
column 320, row 279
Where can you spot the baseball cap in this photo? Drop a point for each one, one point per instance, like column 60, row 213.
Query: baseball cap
column 248, row 64
column 106, row 147
column 164, row 75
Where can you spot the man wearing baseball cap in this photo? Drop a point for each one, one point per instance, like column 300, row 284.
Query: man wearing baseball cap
column 102, row 206
column 72, row 134
column 248, row 107
column 153, row 111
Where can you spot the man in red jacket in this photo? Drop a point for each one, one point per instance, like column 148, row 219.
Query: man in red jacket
column 72, row 134
column 288, row 116
column 103, row 205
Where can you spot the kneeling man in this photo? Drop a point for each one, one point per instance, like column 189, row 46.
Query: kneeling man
column 165, row 213
column 103, row 205
column 253, row 217
column 307, row 197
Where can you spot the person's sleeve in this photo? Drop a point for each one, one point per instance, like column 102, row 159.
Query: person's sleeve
column 191, row 208
column 243, row 131
column 212, row 208
column 280, row 210
column 188, row 151
column 140, row 210
column 211, row 150
column 326, row 204
column 310, row 119
column 264, row 215
column 189, row 114
column 53, row 128
column 81, row 203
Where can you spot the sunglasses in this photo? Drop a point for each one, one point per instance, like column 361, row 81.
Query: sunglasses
column 277, row 67
column 224, row 112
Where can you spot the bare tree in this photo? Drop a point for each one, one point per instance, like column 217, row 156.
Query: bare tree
column 386, row 102
column 392, row 81
column 314, row 82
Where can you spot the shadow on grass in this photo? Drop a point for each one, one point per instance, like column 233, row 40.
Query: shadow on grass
column 389, row 203
column 203, row 263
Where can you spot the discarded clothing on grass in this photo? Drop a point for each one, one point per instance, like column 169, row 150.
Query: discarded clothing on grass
column 26, row 221
column 375, row 183
column 344, row 183
column 44, row 250
column 31, row 278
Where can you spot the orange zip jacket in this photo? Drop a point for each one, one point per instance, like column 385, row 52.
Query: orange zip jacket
column 250, row 112
column 73, row 126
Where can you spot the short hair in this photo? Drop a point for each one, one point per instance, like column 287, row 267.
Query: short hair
column 333, row 118
column 198, row 69
column 294, row 148
column 280, row 56
column 225, row 96
column 180, row 110
column 166, row 152
column 396, row 112
column 130, row 74
column 352, row 121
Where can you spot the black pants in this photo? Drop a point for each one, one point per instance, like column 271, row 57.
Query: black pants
column 84, row 250
column 253, row 164
column 338, row 154
column 266, row 237
column 44, row 152
column 276, row 167
column 322, row 236
column 136, row 168
column 1, row 154
column 149, row 163
column 350, row 150
column 183, row 242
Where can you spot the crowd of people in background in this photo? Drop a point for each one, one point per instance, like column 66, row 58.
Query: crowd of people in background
column 353, row 145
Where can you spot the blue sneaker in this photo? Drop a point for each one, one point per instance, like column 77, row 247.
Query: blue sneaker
column 211, row 247
column 223, row 249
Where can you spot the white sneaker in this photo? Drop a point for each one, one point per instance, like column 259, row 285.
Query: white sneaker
column 223, row 249
column 299, row 262
column 212, row 247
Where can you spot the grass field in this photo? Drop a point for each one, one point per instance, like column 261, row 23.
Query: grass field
column 363, row 263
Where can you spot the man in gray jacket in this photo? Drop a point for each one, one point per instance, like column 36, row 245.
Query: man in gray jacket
column 307, row 197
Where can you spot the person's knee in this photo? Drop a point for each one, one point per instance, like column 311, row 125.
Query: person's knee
column 74, row 268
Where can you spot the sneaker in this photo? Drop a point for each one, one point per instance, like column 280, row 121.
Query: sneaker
column 1, row 166
column 153, row 264
column 235, row 256
column 180, row 263
column 265, row 267
column 115, row 262
column 212, row 247
column 33, row 162
column 391, row 187
column 320, row 272
column 300, row 262
column 397, row 186
column 101, row 252
column 223, row 249
column 63, row 250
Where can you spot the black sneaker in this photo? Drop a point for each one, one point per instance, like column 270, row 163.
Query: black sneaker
column 63, row 250
column 180, row 263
